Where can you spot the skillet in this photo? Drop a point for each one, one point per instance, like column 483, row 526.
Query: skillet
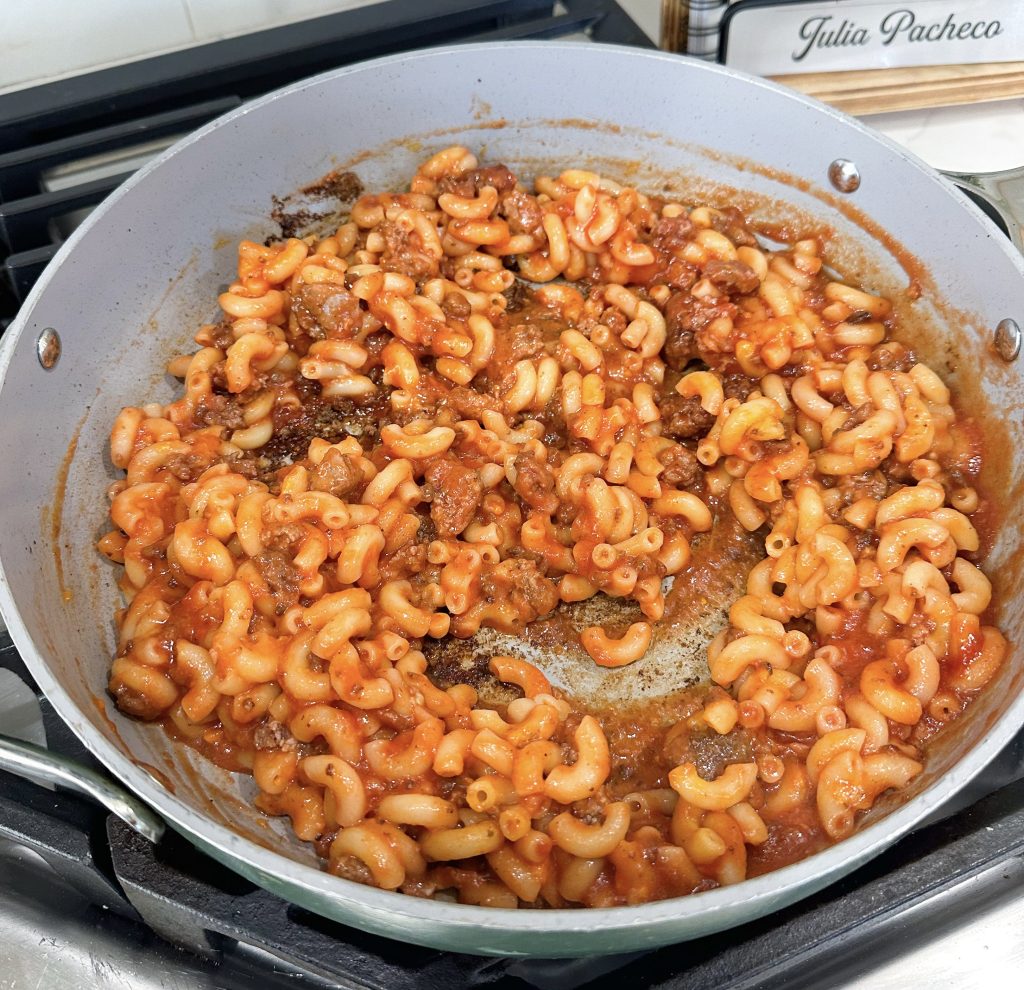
column 130, row 286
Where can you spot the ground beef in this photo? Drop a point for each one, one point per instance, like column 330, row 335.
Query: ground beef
column 295, row 427
column 325, row 310
column 891, row 356
column 375, row 344
column 684, row 317
column 871, row 484
column 217, row 335
column 591, row 810
column 406, row 560
column 682, row 469
column 350, row 868
column 463, row 184
column 468, row 403
column 647, row 566
column 519, row 296
column 519, row 581
column 244, row 463
column 963, row 458
column 448, row 267
column 456, row 306
column 683, row 417
column 282, row 537
column 498, row 176
column 555, row 437
column 271, row 735
column 457, row 493
column 186, row 467
column 566, row 513
column 615, row 321
column 523, row 341
column 469, row 183
column 427, row 532
column 280, row 577
column 403, row 253
column 219, row 410
column 133, row 702
column 738, row 386
column 338, row 474
column 678, row 274
column 733, row 276
column 535, row 483
column 522, row 212
column 219, row 380
column 671, row 233
column 731, row 222
column 708, row 751
column 858, row 415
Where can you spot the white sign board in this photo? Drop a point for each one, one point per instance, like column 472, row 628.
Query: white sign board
column 774, row 39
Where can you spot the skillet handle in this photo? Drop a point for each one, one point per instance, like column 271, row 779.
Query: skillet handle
column 1003, row 191
column 36, row 763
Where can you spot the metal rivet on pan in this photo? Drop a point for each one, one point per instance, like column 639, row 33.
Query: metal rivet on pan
column 1007, row 339
column 48, row 348
column 844, row 175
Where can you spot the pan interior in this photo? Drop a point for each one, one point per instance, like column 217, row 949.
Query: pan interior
column 697, row 607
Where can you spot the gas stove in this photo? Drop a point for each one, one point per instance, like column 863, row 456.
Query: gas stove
column 86, row 902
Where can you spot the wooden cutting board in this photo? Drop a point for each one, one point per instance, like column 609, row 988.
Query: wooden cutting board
column 868, row 91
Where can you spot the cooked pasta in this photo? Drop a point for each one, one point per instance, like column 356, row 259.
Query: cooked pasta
column 473, row 404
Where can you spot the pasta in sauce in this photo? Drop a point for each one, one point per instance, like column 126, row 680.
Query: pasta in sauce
column 472, row 403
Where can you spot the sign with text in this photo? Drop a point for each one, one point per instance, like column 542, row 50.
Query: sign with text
column 775, row 39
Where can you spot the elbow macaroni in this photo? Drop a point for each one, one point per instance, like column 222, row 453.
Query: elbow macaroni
column 382, row 444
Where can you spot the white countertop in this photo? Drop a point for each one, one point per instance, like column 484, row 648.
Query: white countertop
column 979, row 137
